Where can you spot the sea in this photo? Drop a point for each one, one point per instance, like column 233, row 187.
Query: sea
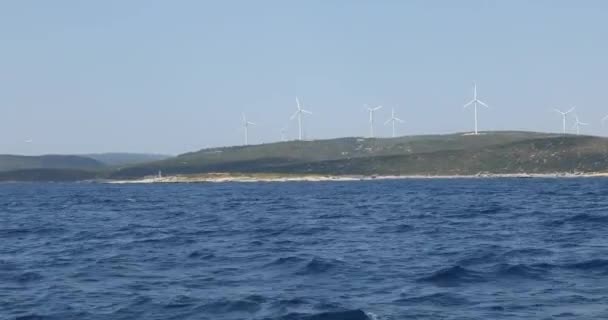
column 488, row 248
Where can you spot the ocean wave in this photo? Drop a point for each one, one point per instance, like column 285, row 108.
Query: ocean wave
column 482, row 256
column 250, row 304
column 443, row 299
column 181, row 301
column 318, row 265
column 336, row 315
column 29, row 276
column 581, row 218
column 282, row 261
column 527, row 252
column 590, row 265
column 201, row 254
column 35, row 317
column 453, row 276
column 398, row 228
column 536, row 271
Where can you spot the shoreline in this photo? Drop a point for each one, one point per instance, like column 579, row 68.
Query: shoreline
column 253, row 178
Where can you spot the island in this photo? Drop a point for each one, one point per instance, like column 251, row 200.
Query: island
column 488, row 154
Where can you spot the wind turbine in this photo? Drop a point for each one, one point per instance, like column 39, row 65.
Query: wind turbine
column 578, row 124
column 298, row 114
column 371, row 119
column 246, row 125
column 283, row 134
column 475, row 102
column 564, row 117
column 604, row 119
column 393, row 119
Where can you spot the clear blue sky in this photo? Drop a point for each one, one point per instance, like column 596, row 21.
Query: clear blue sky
column 174, row 76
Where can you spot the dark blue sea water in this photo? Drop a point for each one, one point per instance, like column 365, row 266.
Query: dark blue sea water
column 409, row 249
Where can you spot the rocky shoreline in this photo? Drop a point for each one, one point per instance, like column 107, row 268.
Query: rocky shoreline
column 219, row 178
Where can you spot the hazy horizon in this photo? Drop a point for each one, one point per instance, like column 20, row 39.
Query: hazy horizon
column 168, row 78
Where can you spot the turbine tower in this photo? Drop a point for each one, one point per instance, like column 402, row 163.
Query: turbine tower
column 393, row 119
column 246, row 125
column 577, row 124
column 298, row 114
column 371, row 119
column 475, row 102
column 284, row 134
column 564, row 118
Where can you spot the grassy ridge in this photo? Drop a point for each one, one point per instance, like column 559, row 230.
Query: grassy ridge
column 322, row 156
column 14, row 162
column 454, row 154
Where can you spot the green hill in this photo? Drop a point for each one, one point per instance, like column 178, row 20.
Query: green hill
column 345, row 155
column 452, row 154
column 124, row 159
column 14, row 162
column 54, row 175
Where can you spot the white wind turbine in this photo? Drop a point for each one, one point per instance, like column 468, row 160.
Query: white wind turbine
column 475, row 102
column 564, row 117
column 393, row 119
column 284, row 134
column 246, row 125
column 577, row 124
column 298, row 114
column 371, row 119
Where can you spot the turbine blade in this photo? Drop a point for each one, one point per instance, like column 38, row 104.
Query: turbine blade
column 560, row 112
column 468, row 104
column 251, row 123
column 298, row 103
column 399, row 120
column 388, row 121
column 294, row 115
column 377, row 108
column 571, row 109
column 483, row 104
column 305, row 111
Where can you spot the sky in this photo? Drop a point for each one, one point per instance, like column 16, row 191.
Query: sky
column 175, row 76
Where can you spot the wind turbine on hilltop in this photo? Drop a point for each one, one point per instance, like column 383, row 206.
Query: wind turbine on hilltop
column 246, row 125
column 564, row 117
column 371, row 119
column 577, row 124
column 298, row 114
column 475, row 102
column 284, row 134
column 393, row 119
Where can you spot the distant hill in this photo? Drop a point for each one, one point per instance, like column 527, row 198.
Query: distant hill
column 15, row 162
column 346, row 155
column 452, row 154
column 51, row 175
column 123, row 159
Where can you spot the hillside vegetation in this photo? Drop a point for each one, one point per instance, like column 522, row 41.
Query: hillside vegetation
column 453, row 154
column 492, row 152
column 124, row 159
column 13, row 162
